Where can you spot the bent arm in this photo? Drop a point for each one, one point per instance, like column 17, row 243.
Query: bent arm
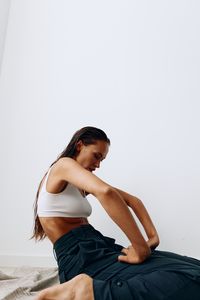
column 142, row 214
column 109, row 198
column 119, row 212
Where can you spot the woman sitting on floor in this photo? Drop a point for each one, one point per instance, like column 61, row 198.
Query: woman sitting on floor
column 90, row 264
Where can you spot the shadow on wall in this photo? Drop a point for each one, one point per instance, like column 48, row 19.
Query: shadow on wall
column 4, row 13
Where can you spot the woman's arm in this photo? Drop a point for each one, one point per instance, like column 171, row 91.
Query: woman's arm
column 139, row 209
column 111, row 200
column 117, row 209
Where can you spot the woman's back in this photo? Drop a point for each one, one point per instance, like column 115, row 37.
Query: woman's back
column 61, row 205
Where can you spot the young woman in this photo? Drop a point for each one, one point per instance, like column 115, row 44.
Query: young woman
column 91, row 265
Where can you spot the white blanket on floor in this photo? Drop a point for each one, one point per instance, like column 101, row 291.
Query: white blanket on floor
column 24, row 283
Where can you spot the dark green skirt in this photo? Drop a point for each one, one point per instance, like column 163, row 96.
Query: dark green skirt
column 164, row 275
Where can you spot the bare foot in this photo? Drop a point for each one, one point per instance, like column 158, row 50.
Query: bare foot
column 78, row 288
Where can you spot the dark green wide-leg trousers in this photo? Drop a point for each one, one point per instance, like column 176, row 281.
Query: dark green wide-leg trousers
column 163, row 276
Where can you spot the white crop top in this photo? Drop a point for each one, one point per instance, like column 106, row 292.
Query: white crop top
column 68, row 203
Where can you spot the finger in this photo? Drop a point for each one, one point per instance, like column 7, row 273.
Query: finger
column 124, row 250
column 122, row 258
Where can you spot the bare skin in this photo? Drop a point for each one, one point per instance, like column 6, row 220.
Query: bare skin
column 55, row 227
column 81, row 286
column 113, row 201
column 78, row 288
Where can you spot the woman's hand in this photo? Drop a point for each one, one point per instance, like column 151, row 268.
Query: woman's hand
column 132, row 256
column 153, row 242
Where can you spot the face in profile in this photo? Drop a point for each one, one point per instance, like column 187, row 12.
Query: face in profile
column 90, row 156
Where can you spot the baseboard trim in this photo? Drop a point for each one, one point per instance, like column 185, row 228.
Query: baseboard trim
column 31, row 261
column 24, row 260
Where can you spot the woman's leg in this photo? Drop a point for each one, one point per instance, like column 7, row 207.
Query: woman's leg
column 78, row 288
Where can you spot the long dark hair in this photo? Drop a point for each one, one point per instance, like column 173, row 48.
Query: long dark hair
column 88, row 135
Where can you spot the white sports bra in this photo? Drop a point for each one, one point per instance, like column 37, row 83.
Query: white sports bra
column 68, row 203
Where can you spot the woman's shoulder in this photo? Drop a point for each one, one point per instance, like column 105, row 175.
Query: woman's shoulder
column 66, row 165
column 65, row 161
column 64, row 168
column 60, row 163
column 69, row 170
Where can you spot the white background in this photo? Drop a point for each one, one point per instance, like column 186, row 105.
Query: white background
column 131, row 68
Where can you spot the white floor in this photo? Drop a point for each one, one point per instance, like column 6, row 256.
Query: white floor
column 25, row 282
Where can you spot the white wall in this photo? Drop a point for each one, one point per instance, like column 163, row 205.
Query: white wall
column 128, row 67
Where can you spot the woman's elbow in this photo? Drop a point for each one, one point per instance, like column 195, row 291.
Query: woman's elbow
column 104, row 192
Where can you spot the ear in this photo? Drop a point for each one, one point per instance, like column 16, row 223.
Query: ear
column 79, row 146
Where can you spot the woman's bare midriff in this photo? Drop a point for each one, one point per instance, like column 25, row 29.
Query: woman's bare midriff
column 55, row 227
